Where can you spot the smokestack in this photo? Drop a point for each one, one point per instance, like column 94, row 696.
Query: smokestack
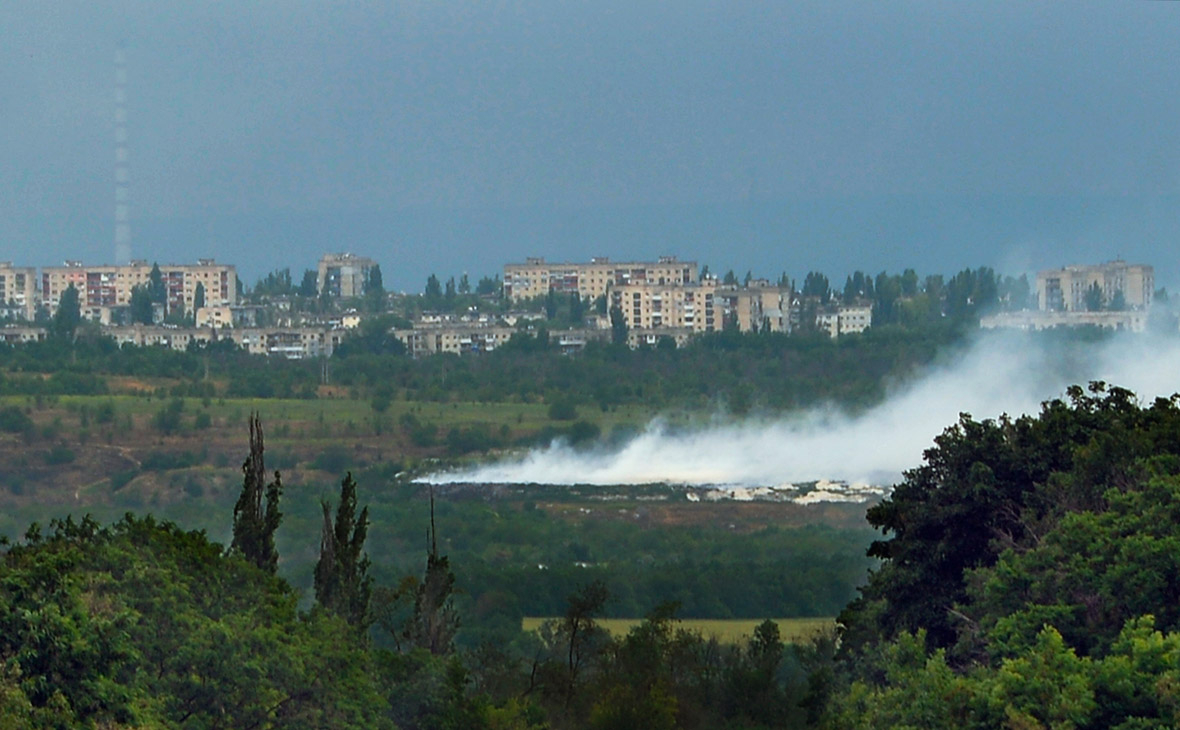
column 122, row 205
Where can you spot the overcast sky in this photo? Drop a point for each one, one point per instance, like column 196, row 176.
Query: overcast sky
column 449, row 136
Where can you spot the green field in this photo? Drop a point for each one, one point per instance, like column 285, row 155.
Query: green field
column 727, row 631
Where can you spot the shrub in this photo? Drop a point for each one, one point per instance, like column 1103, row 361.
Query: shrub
column 333, row 459
column 563, row 410
column 14, row 420
column 59, row 455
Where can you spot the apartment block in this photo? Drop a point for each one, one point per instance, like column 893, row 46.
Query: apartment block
column 105, row 286
column 1065, row 290
column 844, row 319
column 536, row 277
column 18, row 288
column 457, row 338
column 292, row 343
column 343, row 275
column 1128, row 321
column 225, row 316
column 706, row 306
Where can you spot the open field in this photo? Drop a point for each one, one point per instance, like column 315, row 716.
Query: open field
column 72, row 443
column 727, row 631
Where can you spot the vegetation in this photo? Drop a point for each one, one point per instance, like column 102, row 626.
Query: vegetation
column 1029, row 579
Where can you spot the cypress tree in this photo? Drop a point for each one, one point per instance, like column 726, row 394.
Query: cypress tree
column 342, row 583
column 254, row 523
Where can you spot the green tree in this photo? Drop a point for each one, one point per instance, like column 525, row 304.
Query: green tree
column 488, row 286
column 815, row 284
column 435, row 621
column 309, row 284
column 140, row 307
column 1094, row 298
column 342, row 583
column 256, row 522
column 618, row 326
column 375, row 282
column 68, row 315
column 198, row 298
column 156, row 288
column 433, row 290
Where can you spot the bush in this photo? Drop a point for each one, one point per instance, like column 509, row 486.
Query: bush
column 584, row 431
column 59, row 455
column 334, row 459
column 167, row 419
column 104, row 412
column 563, row 410
column 14, row 420
column 421, row 433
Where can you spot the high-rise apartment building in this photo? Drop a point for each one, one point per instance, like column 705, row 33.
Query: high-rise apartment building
column 18, row 288
column 1065, row 290
column 110, row 286
column 536, row 277
column 343, row 275
column 705, row 306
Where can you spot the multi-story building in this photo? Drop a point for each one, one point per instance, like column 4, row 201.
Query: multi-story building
column 844, row 319
column 292, row 343
column 1126, row 321
column 705, row 306
column 226, row 316
column 1065, row 290
column 457, row 338
column 343, row 275
column 102, row 287
column 18, row 288
column 535, row 277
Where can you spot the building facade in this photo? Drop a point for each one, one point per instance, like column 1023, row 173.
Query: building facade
column 18, row 288
column 343, row 275
column 102, row 287
column 536, row 277
column 705, row 306
column 1065, row 290
column 844, row 319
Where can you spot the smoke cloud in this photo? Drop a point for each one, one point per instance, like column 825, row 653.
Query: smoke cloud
column 997, row 373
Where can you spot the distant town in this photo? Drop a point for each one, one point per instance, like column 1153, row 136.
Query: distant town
column 666, row 302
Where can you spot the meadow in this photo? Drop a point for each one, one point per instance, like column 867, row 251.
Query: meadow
column 725, row 631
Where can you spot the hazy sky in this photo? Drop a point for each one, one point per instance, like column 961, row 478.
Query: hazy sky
column 456, row 135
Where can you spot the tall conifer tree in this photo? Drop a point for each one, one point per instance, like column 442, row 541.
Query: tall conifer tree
column 255, row 523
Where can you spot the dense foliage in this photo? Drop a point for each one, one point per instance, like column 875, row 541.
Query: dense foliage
column 739, row 370
column 144, row 625
column 1031, row 577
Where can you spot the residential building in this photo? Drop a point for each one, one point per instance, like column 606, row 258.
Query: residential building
column 1127, row 321
column 844, row 319
column 20, row 334
column 343, row 275
column 536, row 277
column 18, row 289
column 706, row 306
column 457, row 338
column 1065, row 290
column 108, row 286
column 292, row 343
column 226, row 316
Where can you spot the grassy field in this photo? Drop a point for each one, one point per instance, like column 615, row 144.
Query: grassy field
column 727, row 631
column 327, row 413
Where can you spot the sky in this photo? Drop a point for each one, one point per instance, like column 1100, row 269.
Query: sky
column 455, row 136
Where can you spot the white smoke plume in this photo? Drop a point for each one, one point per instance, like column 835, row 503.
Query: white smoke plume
column 999, row 373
